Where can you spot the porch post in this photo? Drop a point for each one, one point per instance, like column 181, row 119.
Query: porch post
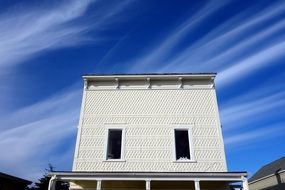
column 98, row 187
column 244, row 183
column 52, row 182
column 197, row 185
column 147, row 184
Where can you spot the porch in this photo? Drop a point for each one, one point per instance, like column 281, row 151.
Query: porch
column 148, row 180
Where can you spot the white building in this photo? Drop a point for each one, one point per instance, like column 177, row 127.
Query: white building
column 149, row 131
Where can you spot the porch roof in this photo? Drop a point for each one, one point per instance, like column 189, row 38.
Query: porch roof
column 155, row 176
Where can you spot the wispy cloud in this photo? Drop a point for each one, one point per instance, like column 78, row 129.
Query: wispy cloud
column 227, row 43
column 255, row 116
column 239, row 114
column 32, row 30
column 233, row 47
column 241, row 48
column 49, row 107
column 158, row 53
column 28, row 143
column 252, row 63
column 250, row 137
column 31, row 135
column 29, row 31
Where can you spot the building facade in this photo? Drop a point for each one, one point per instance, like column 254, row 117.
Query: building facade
column 149, row 131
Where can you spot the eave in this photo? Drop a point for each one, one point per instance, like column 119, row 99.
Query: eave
column 153, row 176
column 164, row 76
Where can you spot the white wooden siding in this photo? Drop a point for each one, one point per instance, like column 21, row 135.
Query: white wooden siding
column 149, row 117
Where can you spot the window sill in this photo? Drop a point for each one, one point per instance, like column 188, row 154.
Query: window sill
column 114, row 160
column 184, row 161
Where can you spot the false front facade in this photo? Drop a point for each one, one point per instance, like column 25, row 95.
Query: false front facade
column 149, row 131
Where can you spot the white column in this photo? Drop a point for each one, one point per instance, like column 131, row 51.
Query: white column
column 197, row 185
column 147, row 184
column 245, row 183
column 98, row 187
column 52, row 182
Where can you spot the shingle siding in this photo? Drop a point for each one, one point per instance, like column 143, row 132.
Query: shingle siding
column 149, row 117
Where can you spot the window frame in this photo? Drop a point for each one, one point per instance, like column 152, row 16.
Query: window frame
column 187, row 128
column 107, row 131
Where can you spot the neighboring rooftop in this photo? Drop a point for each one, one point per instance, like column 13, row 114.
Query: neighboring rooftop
column 14, row 178
column 271, row 168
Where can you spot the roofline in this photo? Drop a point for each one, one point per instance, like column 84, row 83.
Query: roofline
column 115, row 74
column 150, row 75
column 154, row 176
column 256, row 177
column 7, row 176
column 125, row 172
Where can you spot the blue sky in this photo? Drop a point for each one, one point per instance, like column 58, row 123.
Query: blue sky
column 46, row 46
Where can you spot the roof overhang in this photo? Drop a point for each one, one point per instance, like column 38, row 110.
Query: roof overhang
column 153, row 176
column 164, row 76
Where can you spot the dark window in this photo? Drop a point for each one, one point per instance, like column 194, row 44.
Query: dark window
column 114, row 144
column 182, row 145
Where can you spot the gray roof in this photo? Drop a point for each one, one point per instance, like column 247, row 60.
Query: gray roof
column 269, row 169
